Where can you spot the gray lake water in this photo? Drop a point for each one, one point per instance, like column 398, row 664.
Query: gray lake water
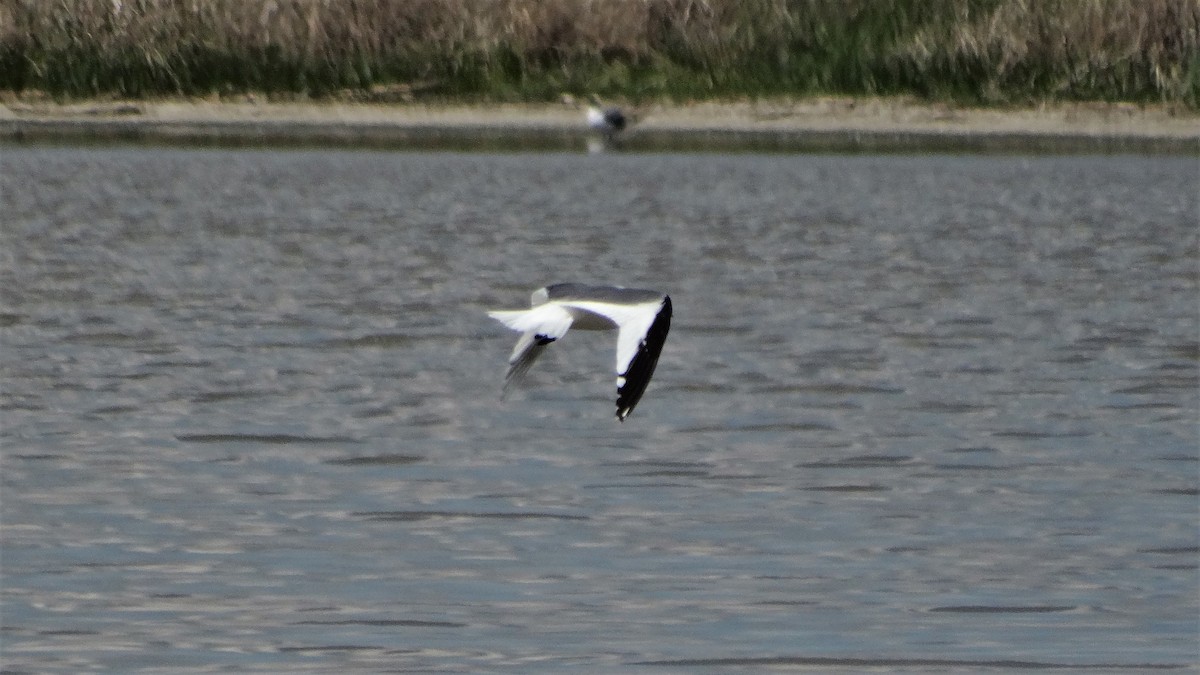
column 914, row 413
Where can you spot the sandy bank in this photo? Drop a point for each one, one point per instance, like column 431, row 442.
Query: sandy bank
column 827, row 123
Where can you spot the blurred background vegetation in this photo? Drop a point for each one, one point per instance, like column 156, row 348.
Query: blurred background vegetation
column 970, row 51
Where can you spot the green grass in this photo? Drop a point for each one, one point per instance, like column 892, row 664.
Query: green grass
column 973, row 51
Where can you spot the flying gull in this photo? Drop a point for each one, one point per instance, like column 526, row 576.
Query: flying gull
column 642, row 319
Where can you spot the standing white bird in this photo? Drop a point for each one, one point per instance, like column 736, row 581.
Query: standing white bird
column 609, row 121
column 641, row 317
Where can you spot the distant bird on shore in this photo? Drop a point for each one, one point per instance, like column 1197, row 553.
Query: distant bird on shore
column 609, row 120
column 641, row 317
column 606, row 122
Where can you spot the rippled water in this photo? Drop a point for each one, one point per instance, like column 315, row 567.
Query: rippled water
column 915, row 412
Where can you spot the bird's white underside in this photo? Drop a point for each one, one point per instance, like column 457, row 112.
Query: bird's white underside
column 553, row 318
column 595, row 118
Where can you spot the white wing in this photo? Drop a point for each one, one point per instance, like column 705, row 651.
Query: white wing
column 538, row 327
column 649, row 338
column 642, row 331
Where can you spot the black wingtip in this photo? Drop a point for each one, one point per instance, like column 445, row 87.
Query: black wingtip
column 643, row 364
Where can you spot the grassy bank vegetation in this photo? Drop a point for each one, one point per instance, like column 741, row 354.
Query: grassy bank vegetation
column 977, row 51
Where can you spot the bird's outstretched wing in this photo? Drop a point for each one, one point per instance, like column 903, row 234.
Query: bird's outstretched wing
column 639, row 343
column 539, row 327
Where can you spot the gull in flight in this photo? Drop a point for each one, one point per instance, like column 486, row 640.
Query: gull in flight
column 642, row 319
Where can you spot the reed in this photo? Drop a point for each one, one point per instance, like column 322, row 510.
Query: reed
column 990, row 51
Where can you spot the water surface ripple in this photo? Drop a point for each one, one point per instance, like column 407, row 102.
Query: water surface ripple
column 915, row 413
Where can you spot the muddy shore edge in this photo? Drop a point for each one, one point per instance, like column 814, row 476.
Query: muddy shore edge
column 827, row 124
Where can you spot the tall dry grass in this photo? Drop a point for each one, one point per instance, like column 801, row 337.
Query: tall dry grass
column 977, row 50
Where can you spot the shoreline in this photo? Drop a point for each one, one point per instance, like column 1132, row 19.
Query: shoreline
column 818, row 124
